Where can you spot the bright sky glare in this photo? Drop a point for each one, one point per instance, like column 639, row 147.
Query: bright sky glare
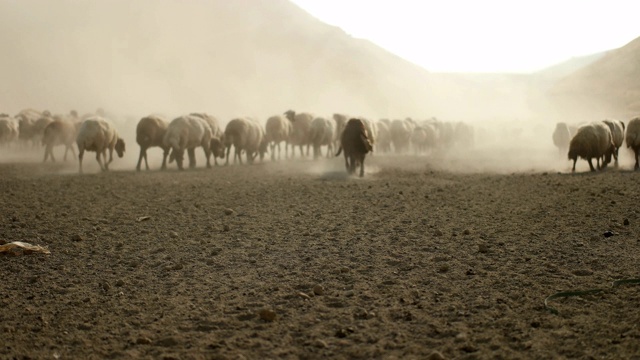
column 484, row 35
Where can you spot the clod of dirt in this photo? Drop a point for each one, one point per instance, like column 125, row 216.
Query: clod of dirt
column 321, row 344
column 466, row 232
column 267, row 315
column 626, row 222
column 608, row 233
column 105, row 286
column 483, row 248
column 343, row 333
column 167, row 342
column 435, row 355
column 119, row 283
column 344, row 269
column 143, row 340
column 438, row 233
column 77, row 237
column 226, row 227
column 228, row 211
column 318, row 289
column 443, row 268
column 583, row 272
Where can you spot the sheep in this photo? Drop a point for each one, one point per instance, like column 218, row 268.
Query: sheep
column 617, row 132
column 61, row 131
column 150, row 132
column 321, row 133
column 245, row 135
column 592, row 141
column 300, row 134
column 400, row 134
column 423, row 138
column 26, row 125
column 383, row 144
column 278, row 129
column 632, row 138
column 463, row 135
column 372, row 130
column 561, row 137
column 341, row 122
column 8, row 130
column 216, row 144
column 356, row 145
column 187, row 133
column 99, row 135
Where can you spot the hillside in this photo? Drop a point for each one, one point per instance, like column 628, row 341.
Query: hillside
column 216, row 56
column 607, row 87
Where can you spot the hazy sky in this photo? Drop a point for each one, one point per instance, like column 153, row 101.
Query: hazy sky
column 487, row 35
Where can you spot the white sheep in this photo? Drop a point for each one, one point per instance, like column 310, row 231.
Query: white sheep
column 9, row 130
column 300, row 134
column 592, row 141
column 423, row 138
column 61, row 131
column 217, row 136
column 632, row 138
column 341, row 123
column 188, row 133
column 322, row 133
column 617, row 132
column 561, row 137
column 150, row 132
column 278, row 129
column 372, row 130
column 383, row 142
column 99, row 135
column 401, row 134
column 246, row 135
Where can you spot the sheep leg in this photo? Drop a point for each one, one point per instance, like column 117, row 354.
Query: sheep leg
column 98, row 154
column 228, row 151
column 80, row 155
column 637, row 152
column 238, row 155
column 146, row 162
column 346, row 163
column 591, row 165
column 272, row 147
column 207, row 154
column 142, row 153
column 352, row 165
column 192, row 157
column 46, row 153
column 362, row 166
column 164, row 159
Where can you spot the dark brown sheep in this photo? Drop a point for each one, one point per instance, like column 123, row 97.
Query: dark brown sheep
column 356, row 145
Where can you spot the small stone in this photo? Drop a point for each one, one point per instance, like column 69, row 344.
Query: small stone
column 321, row 344
column 105, row 286
column 443, row 268
column 438, row 233
column 228, row 211
column 435, row 355
column 77, row 237
column 466, row 232
column 173, row 234
column 119, row 283
column 226, row 227
column 143, row 340
column 304, row 296
column 84, row 326
column 608, row 233
column 318, row 289
column 626, row 222
column 267, row 315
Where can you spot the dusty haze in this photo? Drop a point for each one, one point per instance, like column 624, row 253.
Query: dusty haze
column 233, row 59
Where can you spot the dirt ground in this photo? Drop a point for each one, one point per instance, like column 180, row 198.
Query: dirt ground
column 297, row 260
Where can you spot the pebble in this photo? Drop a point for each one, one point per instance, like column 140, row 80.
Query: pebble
column 304, row 296
column 608, row 233
column 77, row 237
column 228, row 211
column 321, row 344
column 435, row 355
column 173, row 234
column 226, row 227
column 143, row 340
column 626, row 222
column 119, row 283
column 267, row 315
column 438, row 233
column 344, row 269
column 318, row 289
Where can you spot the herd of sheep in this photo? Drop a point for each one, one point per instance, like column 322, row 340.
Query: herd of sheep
column 248, row 136
column 253, row 139
column 599, row 140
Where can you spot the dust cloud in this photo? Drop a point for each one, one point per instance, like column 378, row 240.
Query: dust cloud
column 134, row 58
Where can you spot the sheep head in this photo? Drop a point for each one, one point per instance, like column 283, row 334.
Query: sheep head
column 291, row 115
column 217, row 148
column 120, row 147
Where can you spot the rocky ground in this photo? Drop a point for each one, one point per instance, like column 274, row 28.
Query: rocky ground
column 296, row 260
